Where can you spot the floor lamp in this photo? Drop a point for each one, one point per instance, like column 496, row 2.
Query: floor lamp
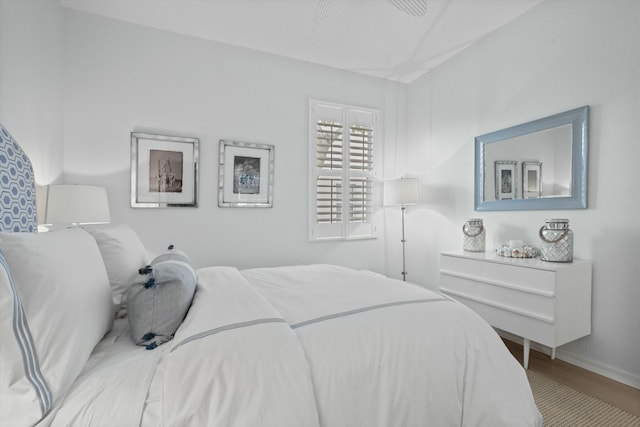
column 402, row 192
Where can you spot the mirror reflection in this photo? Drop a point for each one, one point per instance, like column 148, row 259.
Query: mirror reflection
column 540, row 163
column 536, row 165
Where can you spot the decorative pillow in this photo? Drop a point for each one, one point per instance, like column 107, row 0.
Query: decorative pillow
column 160, row 297
column 123, row 253
column 55, row 306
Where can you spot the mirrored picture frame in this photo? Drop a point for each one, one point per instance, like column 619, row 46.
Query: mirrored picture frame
column 245, row 175
column 531, row 180
column 506, row 179
column 164, row 171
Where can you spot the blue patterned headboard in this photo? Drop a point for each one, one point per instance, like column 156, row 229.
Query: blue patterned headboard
column 17, row 187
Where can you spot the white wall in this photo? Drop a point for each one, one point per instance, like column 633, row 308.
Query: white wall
column 559, row 56
column 121, row 78
column 31, row 46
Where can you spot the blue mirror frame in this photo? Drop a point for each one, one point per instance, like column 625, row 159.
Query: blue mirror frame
column 579, row 119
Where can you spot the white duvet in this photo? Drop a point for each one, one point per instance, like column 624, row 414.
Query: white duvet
column 307, row 346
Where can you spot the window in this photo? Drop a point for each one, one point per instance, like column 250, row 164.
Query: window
column 342, row 144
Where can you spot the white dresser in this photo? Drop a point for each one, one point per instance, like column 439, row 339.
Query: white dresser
column 545, row 302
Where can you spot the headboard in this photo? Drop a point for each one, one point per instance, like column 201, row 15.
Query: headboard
column 17, row 187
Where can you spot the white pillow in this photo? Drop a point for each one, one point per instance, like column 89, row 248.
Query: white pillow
column 123, row 254
column 55, row 306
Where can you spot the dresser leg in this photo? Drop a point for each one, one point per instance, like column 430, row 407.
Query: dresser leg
column 553, row 353
column 527, row 347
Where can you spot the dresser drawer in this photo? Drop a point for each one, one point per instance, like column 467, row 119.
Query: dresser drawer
column 519, row 300
column 536, row 330
column 533, row 280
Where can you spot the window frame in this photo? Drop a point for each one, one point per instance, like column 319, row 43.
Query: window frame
column 348, row 116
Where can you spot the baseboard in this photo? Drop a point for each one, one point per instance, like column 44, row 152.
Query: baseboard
column 599, row 368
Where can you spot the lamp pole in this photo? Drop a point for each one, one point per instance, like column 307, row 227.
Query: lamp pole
column 402, row 192
column 404, row 269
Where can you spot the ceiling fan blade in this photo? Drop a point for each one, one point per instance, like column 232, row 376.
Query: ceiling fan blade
column 411, row 7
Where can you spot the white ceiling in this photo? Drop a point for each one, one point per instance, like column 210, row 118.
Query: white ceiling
column 394, row 39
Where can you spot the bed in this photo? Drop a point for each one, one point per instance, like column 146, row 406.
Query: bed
column 304, row 345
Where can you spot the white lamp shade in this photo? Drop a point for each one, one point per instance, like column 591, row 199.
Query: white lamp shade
column 401, row 192
column 76, row 204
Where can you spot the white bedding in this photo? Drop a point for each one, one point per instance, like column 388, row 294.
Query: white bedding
column 113, row 387
column 307, row 346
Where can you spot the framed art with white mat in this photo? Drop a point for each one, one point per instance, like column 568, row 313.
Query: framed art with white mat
column 245, row 175
column 164, row 171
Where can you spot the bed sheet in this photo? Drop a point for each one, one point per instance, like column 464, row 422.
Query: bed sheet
column 113, row 387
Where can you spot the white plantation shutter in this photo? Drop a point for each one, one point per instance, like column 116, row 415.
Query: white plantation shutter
column 342, row 171
column 329, row 157
column 361, row 170
column 360, row 199
column 328, row 200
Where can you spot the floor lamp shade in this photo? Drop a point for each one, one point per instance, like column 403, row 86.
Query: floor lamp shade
column 401, row 192
column 76, row 204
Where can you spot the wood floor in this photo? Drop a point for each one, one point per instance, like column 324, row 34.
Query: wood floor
column 617, row 394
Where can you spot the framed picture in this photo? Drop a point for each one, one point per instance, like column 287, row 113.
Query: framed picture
column 246, row 175
column 531, row 180
column 506, row 180
column 164, row 171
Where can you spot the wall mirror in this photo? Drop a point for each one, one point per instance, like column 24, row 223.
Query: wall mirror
column 536, row 165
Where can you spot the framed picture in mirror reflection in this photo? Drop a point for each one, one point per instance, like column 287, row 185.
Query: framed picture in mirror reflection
column 506, row 179
column 531, row 180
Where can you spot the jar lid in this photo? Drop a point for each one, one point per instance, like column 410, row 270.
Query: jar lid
column 558, row 223
column 474, row 221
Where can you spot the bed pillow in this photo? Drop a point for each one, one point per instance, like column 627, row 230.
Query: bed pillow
column 160, row 297
column 123, row 253
column 55, row 306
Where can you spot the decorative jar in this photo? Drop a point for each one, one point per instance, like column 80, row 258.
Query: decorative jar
column 474, row 235
column 556, row 241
